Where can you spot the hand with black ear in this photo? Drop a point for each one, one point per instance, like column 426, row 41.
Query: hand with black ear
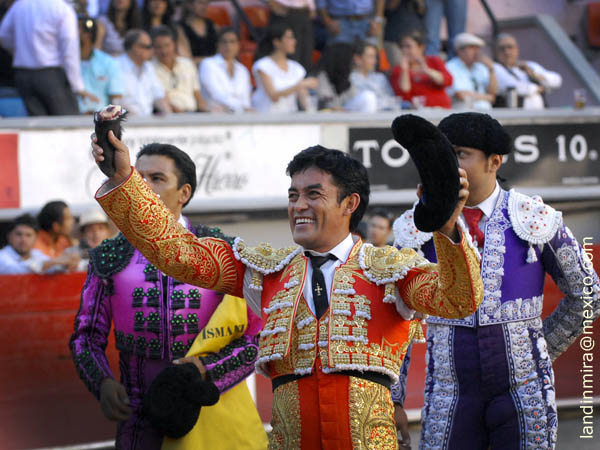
column 111, row 155
column 172, row 403
column 444, row 187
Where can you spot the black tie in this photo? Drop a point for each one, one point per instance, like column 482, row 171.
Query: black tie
column 319, row 289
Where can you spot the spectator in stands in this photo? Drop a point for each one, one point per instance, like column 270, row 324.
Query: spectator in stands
column 373, row 89
column 100, row 72
column 122, row 16
column 143, row 92
column 280, row 82
column 418, row 75
column 379, row 227
column 473, row 78
column 527, row 79
column 456, row 21
column 56, row 225
column 298, row 14
column 402, row 17
column 93, row 225
column 19, row 256
column 42, row 35
column 333, row 76
column 225, row 82
column 156, row 13
column 198, row 35
column 178, row 75
column 351, row 20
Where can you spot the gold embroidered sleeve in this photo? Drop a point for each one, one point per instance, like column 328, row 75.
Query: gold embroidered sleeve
column 452, row 288
column 151, row 228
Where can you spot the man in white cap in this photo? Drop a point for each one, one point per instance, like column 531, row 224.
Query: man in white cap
column 474, row 82
column 94, row 227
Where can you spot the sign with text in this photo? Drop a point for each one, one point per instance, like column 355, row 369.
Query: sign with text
column 543, row 156
column 232, row 162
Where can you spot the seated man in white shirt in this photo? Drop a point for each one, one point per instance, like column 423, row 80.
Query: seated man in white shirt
column 19, row 256
column 473, row 79
column 225, row 82
column 142, row 91
column 528, row 80
column 177, row 74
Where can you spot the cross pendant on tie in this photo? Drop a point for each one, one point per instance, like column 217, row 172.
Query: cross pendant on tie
column 318, row 289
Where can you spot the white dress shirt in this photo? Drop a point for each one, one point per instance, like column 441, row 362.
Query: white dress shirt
column 41, row 34
column 221, row 89
column 141, row 87
column 487, row 207
column 518, row 79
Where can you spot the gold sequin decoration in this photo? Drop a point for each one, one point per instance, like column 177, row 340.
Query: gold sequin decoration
column 286, row 418
column 452, row 288
column 372, row 424
column 152, row 229
column 384, row 263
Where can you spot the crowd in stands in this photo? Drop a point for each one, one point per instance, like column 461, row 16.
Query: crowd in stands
column 51, row 243
column 170, row 56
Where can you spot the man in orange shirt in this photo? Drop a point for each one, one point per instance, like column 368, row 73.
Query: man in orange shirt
column 56, row 224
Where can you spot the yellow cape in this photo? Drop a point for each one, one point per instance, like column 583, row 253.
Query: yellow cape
column 233, row 423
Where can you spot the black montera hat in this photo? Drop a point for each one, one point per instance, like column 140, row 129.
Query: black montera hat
column 173, row 401
column 476, row 130
column 436, row 162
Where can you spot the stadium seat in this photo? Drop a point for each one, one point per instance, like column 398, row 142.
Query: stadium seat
column 258, row 16
column 593, row 24
column 219, row 15
column 384, row 64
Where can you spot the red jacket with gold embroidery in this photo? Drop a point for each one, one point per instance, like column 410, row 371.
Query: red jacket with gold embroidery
column 362, row 329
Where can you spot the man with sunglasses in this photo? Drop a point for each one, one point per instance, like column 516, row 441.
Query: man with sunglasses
column 143, row 92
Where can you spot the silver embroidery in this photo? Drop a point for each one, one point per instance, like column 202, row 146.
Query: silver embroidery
column 440, row 403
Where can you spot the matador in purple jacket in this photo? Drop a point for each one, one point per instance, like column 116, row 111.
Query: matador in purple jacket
column 489, row 382
column 156, row 317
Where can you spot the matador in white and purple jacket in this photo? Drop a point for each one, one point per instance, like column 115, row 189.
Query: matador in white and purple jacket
column 489, row 381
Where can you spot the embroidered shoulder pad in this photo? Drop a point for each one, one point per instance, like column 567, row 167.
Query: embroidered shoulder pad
column 204, row 231
column 532, row 220
column 264, row 258
column 406, row 234
column 112, row 256
column 387, row 264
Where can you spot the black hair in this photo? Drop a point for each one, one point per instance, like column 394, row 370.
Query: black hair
column 415, row 35
column 186, row 169
column 225, row 30
column 336, row 62
column 133, row 18
column 89, row 26
column 166, row 19
column 25, row 219
column 131, row 38
column 360, row 46
column 274, row 31
column 162, row 31
column 383, row 213
column 348, row 174
column 51, row 212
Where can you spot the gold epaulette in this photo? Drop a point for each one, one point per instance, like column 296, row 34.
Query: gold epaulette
column 263, row 258
column 387, row 264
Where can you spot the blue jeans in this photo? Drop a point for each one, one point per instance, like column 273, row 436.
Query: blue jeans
column 350, row 31
column 456, row 19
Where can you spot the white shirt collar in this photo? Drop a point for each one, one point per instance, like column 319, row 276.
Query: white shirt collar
column 182, row 221
column 488, row 205
column 341, row 251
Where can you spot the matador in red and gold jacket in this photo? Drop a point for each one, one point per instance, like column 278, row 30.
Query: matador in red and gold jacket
column 331, row 376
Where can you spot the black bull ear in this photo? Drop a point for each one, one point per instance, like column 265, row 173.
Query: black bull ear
column 436, row 162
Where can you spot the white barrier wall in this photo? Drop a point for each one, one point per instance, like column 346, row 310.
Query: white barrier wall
column 241, row 159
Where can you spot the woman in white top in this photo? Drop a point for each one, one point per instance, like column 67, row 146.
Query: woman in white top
column 225, row 82
column 280, row 82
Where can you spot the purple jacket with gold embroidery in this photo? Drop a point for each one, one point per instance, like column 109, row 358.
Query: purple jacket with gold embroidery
column 156, row 319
